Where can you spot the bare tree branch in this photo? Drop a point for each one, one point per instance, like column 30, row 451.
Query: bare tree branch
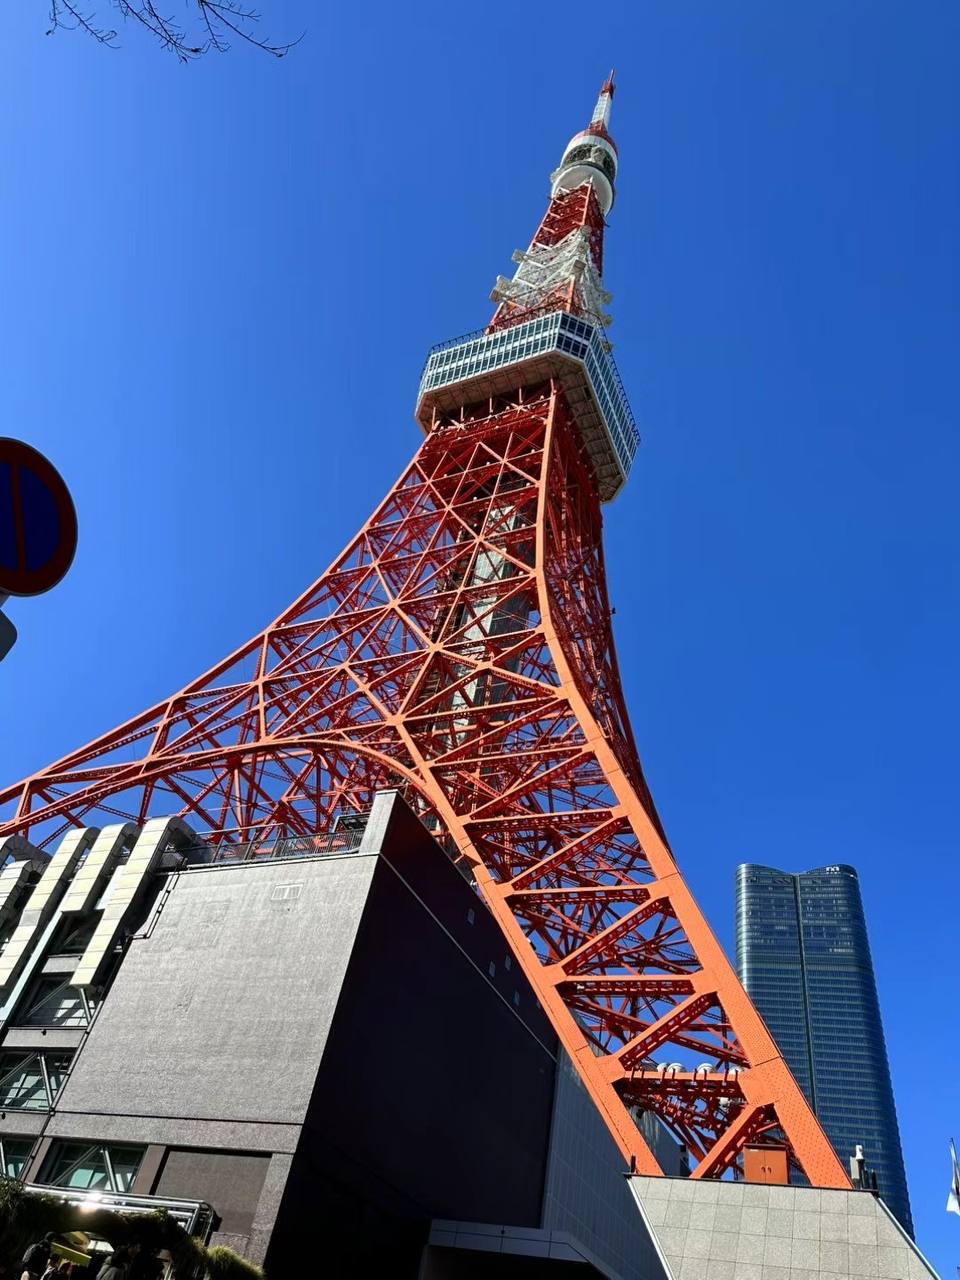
column 237, row 18
column 216, row 23
column 64, row 15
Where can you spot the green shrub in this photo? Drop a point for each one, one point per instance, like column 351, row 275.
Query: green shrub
column 224, row 1264
column 26, row 1217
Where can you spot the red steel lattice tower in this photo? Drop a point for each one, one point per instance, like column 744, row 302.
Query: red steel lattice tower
column 460, row 649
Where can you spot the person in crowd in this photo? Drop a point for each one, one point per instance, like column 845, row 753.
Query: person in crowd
column 118, row 1265
column 36, row 1258
column 146, row 1266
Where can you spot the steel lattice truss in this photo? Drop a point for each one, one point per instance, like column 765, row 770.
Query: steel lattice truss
column 460, row 648
column 569, row 236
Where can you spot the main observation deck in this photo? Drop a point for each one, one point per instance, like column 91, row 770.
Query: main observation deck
column 556, row 345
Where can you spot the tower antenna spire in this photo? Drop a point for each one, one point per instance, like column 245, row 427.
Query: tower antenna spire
column 601, row 112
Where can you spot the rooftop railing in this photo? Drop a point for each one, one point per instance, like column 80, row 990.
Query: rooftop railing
column 271, row 848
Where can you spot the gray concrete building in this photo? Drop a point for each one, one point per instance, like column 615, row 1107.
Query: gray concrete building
column 319, row 1046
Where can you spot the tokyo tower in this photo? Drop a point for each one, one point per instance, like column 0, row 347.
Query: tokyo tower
column 460, row 650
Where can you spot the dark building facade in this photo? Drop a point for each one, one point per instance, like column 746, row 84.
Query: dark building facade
column 804, row 959
column 315, row 1051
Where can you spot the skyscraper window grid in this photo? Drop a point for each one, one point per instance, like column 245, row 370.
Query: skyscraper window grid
column 804, row 958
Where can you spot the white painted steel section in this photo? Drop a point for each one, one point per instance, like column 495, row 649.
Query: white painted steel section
column 545, row 268
column 601, row 112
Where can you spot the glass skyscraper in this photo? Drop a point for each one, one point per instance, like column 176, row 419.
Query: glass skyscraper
column 804, row 959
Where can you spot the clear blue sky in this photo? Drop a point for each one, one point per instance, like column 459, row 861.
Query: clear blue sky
column 217, row 285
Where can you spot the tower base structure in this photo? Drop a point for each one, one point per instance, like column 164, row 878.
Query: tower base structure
column 316, row 1051
column 321, row 1053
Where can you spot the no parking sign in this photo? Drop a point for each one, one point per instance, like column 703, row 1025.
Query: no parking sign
column 38, row 528
column 38, row 523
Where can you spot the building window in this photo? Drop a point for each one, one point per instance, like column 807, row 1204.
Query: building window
column 31, row 1081
column 14, row 1154
column 91, row 1167
column 50, row 1002
column 75, row 934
